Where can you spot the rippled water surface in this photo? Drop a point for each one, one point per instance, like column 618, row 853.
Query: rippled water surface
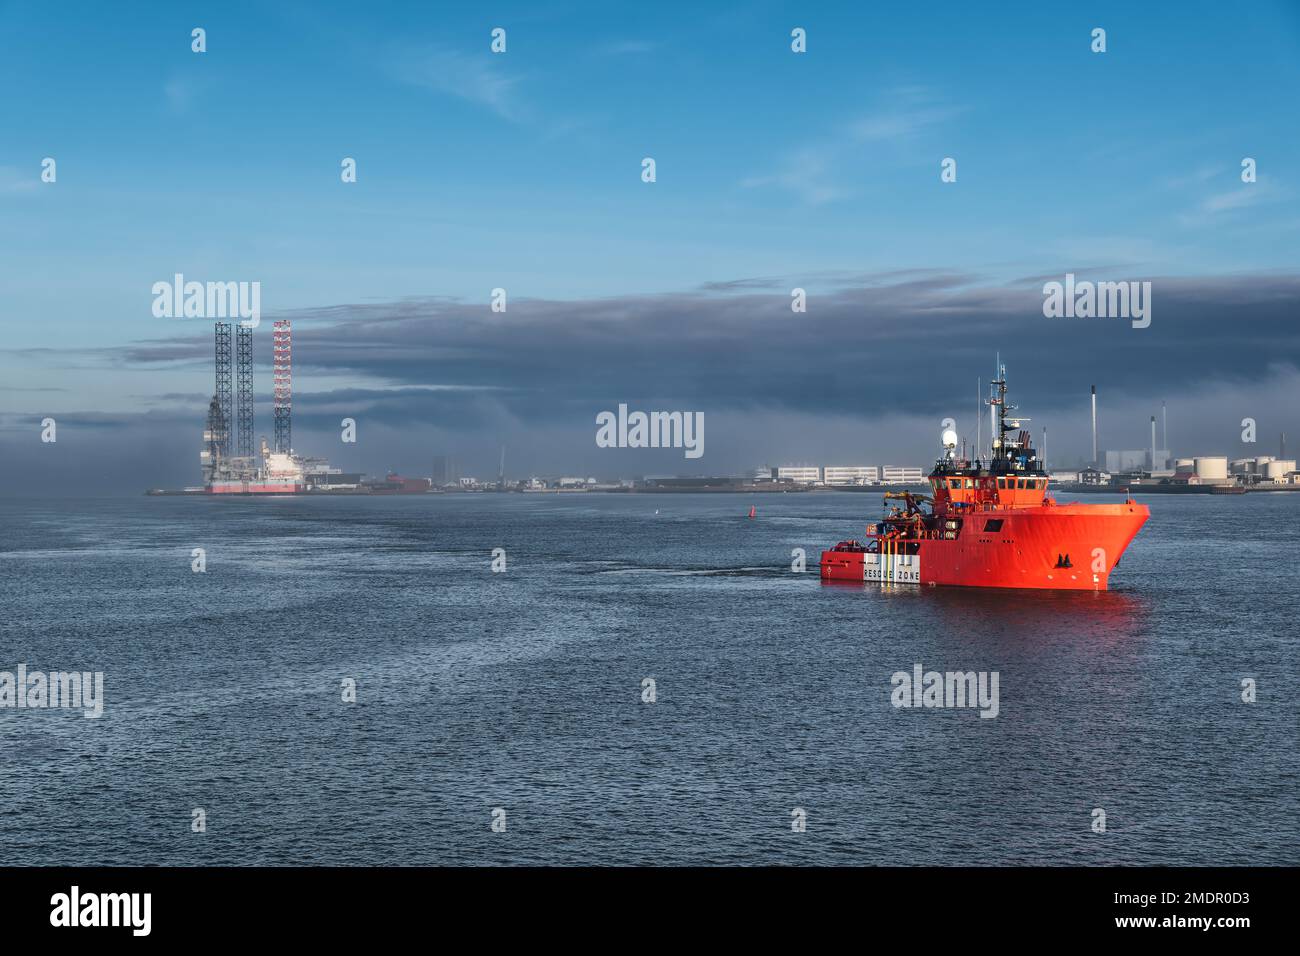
column 522, row 690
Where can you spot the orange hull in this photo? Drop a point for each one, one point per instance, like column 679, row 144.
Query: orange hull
column 1065, row 547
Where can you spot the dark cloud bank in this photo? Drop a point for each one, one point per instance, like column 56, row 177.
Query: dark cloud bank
column 864, row 376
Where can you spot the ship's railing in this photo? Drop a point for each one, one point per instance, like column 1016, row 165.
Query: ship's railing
column 1024, row 499
column 939, row 534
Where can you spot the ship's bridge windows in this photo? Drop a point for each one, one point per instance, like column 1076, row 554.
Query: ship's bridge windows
column 970, row 483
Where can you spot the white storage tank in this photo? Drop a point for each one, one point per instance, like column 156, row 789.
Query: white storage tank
column 1276, row 470
column 1185, row 465
column 1212, row 468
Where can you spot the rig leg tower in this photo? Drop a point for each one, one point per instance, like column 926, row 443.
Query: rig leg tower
column 244, row 392
column 283, row 375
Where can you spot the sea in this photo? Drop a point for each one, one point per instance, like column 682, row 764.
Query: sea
column 632, row 679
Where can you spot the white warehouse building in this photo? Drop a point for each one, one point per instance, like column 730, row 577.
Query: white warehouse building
column 898, row 475
column 806, row 474
column 851, row 474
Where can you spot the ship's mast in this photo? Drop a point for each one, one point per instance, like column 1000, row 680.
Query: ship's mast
column 997, row 409
column 1011, row 448
column 1006, row 451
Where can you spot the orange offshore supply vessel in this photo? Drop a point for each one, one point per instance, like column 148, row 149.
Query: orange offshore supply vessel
column 990, row 524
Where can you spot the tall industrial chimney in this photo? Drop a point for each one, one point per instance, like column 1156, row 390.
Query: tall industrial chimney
column 1164, row 427
column 1094, row 427
column 1153, row 443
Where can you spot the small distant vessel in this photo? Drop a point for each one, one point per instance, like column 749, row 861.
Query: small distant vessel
column 395, row 484
column 752, row 510
column 990, row 524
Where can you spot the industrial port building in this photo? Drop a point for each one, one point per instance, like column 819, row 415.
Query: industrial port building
column 849, row 475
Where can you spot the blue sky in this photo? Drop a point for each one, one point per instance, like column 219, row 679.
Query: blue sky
column 522, row 170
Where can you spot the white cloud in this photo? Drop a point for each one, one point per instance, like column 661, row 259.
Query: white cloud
column 1219, row 205
column 811, row 172
column 898, row 124
column 1232, row 200
column 805, row 173
column 14, row 182
column 1195, row 178
column 475, row 79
